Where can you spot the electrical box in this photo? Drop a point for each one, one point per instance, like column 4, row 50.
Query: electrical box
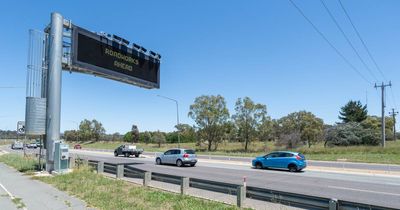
column 61, row 156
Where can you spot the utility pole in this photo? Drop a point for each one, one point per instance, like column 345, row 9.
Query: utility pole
column 383, row 110
column 393, row 113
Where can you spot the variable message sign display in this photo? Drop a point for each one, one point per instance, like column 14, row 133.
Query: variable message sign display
column 99, row 55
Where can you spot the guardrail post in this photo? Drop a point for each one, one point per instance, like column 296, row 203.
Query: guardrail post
column 71, row 162
column 241, row 195
column 333, row 204
column 120, row 171
column 100, row 167
column 184, row 185
column 146, row 178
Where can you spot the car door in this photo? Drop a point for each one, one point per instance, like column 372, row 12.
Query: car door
column 166, row 158
column 175, row 156
column 282, row 160
column 270, row 160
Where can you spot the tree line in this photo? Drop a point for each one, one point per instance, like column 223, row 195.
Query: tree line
column 250, row 122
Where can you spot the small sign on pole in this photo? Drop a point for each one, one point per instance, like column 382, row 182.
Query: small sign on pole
column 21, row 127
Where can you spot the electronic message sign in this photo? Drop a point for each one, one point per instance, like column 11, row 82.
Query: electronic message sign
column 99, row 55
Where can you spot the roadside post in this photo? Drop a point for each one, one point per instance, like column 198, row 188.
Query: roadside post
column 333, row 204
column 241, row 194
column 100, row 167
column 120, row 171
column 146, row 178
column 184, row 185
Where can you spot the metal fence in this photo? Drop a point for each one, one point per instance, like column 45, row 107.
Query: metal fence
column 242, row 192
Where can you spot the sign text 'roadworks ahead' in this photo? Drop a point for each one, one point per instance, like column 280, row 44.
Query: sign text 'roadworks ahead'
column 95, row 54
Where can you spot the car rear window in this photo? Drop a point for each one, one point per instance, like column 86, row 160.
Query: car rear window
column 189, row 151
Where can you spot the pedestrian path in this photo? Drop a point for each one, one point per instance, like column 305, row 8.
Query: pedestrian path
column 18, row 191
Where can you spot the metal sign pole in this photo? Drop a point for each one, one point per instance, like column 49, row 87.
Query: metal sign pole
column 54, row 88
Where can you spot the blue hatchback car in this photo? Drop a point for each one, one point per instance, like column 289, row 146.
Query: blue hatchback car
column 284, row 160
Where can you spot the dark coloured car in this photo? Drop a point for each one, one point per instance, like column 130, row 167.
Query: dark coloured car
column 32, row 146
column 127, row 150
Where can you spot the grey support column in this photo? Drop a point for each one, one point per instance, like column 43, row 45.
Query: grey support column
column 120, row 171
column 146, row 178
column 241, row 195
column 54, row 88
column 184, row 185
column 100, row 167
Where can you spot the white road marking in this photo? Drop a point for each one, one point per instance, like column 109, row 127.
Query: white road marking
column 9, row 194
column 360, row 190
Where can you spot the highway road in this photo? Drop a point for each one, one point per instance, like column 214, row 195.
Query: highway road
column 320, row 164
column 382, row 190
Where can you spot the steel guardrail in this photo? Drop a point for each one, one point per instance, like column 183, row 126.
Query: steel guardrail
column 110, row 168
column 347, row 205
column 269, row 195
column 292, row 199
column 172, row 179
column 132, row 172
column 214, row 186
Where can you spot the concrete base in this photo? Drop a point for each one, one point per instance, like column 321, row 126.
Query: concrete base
column 42, row 173
column 62, row 172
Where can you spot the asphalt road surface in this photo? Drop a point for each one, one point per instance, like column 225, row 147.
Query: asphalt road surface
column 381, row 190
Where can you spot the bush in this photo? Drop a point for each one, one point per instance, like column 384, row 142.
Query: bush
column 352, row 133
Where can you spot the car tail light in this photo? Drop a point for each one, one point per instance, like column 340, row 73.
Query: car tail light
column 298, row 157
column 185, row 155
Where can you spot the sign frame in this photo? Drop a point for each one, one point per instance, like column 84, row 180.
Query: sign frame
column 83, row 67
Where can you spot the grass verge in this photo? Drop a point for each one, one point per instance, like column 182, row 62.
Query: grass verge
column 367, row 154
column 22, row 164
column 105, row 193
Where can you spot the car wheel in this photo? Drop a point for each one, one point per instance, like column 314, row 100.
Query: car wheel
column 258, row 165
column 179, row 163
column 292, row 168
column 115, row 154
column 158, row 161
column 126, row 154
column 137, row 155
column 192, row 165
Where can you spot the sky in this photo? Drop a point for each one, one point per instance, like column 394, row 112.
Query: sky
column 261, row 49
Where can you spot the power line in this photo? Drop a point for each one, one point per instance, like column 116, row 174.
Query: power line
column 10, row 87
column 362, row 40
column 367, row 50
column 393, row 97
column 330, row 44
column 347, row 39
